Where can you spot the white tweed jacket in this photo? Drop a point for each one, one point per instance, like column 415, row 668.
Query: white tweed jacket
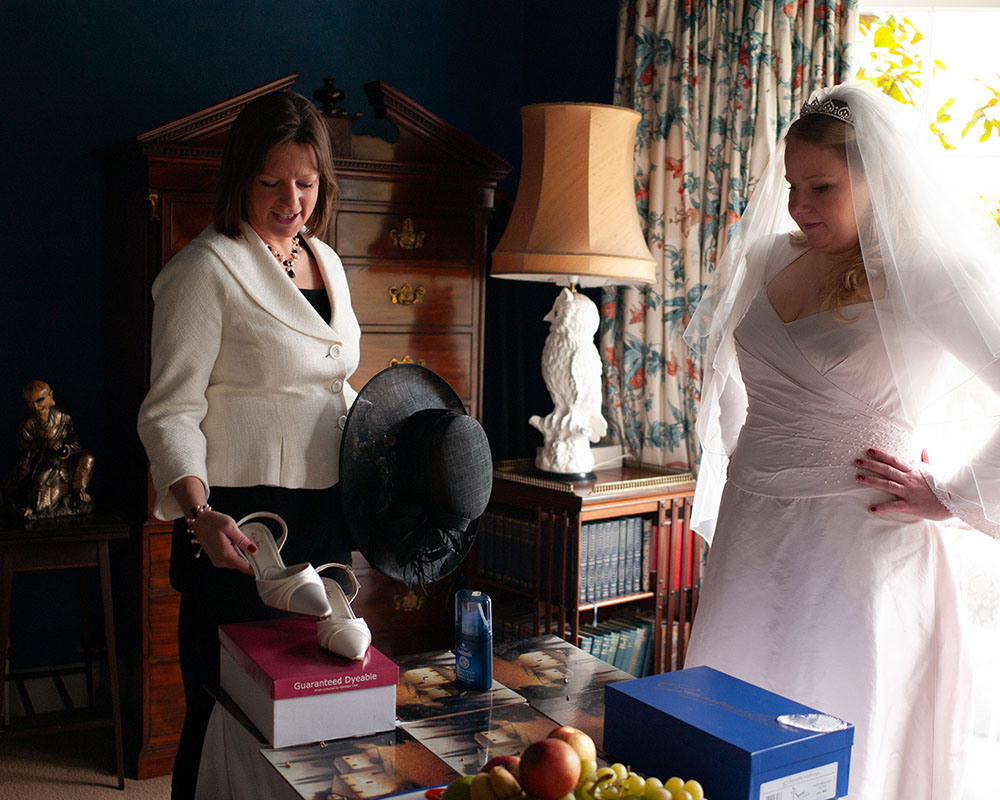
column 248, row 385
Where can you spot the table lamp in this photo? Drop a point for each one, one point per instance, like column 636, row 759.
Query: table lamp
column 574, row 223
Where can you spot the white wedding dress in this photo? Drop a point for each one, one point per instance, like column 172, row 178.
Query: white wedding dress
column 810, row 595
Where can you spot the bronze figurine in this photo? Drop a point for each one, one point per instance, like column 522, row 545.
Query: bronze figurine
column 52, row 477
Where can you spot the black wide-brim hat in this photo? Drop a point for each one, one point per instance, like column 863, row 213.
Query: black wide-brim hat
column 415, row 474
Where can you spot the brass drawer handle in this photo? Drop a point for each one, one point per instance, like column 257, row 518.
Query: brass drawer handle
column 407, row 360
column 407, row 238
column 411, row 601
column 406, row 295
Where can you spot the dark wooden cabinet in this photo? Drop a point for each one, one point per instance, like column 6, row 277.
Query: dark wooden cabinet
column 411, row 231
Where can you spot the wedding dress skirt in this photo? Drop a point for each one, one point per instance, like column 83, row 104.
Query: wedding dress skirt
column 810, row 595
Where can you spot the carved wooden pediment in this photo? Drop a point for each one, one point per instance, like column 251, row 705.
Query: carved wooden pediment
column 425, row 138
column 203, row 133
column 426, row 143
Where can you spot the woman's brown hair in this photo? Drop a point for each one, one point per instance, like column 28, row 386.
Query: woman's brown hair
column 275, row 119
column 828, row 131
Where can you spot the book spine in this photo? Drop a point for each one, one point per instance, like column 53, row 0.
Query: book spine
column 484, row 545
column 648, row 555
column 593, row 547
column 635, row 663
column 526, row 551
column 635, row 552
column 621, row 548
column 628, row 556
column 628, row 637
column 605, row 569
column 504, row 530
column 582, row 564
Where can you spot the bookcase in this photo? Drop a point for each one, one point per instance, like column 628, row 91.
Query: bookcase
column 570, row 554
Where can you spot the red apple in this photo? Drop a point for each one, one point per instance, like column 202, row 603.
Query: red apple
column 550, row 769
column 511, row 763
column 578, row 740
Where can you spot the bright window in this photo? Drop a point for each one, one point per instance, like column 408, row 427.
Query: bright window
column 947, row 63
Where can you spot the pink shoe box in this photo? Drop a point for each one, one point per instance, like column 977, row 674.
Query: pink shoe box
column 296, row 692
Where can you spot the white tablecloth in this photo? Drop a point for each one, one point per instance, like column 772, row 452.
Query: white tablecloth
column 233, row 768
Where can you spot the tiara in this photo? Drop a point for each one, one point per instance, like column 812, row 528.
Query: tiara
column 830, row 107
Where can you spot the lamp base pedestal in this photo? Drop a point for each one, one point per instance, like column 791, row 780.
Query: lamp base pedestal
column 569, row 477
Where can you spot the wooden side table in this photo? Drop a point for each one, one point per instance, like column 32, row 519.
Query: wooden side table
column 61, row 543
column 560, row 509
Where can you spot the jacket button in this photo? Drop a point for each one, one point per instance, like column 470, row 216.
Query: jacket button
column 337, row 387
column 336, row 350
column 342, row 422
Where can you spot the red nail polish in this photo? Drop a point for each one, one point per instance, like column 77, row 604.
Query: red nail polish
column 252, row 548
column 861, row 478
column 872, row 509
column 858, row 461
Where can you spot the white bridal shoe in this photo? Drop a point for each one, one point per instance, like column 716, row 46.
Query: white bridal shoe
column 342, row 632
column 298, row 588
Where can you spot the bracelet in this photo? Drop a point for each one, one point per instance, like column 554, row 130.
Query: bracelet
column 193, row 515
column 190, row 524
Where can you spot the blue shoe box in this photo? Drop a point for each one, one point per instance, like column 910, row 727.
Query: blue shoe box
column 723, row 732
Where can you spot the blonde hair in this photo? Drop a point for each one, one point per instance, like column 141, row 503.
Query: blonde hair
column 851, row 277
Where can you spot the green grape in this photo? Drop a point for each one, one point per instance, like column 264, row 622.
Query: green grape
column 635, row 785
column 587, row 766
column 606, row 772
column 652, row 784
column 610, row 792
column 683, row 794
column 659, row 793
column 582, row 792
column 621, row 771
column 693, row 788
column 674, row 785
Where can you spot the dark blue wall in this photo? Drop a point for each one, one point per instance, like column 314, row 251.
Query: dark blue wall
column 79, row 76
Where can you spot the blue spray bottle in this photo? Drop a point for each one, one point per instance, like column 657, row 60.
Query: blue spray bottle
column 473, row 640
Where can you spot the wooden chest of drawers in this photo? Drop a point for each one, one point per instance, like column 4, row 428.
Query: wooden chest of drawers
column 411, row 231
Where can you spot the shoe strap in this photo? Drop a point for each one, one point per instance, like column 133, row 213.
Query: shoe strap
column 268, row 515
column 350, row 572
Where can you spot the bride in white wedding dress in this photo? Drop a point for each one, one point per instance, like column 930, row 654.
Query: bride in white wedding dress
column 829, row 355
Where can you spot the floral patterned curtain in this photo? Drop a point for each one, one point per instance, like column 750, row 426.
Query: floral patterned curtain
column 715, row 82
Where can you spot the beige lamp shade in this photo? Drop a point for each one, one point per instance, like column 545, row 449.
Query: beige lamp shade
column 575, row 216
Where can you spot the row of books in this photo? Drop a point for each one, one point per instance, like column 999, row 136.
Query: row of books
column 624, row 641
column 505, row 548
column 616, row 555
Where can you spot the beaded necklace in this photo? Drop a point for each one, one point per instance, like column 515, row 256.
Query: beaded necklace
column 289, row 262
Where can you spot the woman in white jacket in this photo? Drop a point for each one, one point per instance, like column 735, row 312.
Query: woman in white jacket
column 254, row 341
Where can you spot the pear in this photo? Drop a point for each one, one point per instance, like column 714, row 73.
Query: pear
column 480, row 788
column 503, row 783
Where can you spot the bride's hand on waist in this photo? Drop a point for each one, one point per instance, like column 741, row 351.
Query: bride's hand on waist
column 903, row 480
